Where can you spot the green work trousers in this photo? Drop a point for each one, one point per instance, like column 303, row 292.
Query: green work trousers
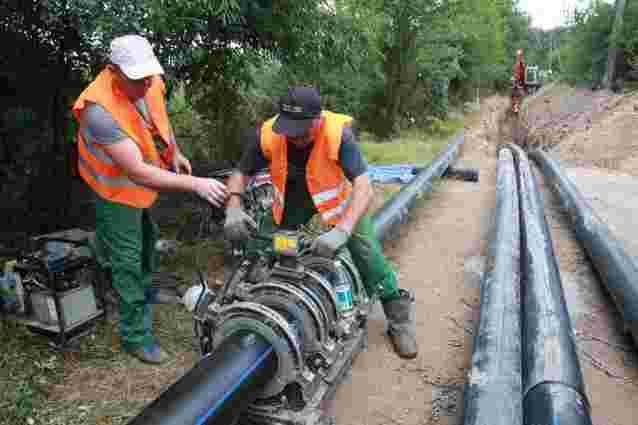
column 125, row 239
column 376, row 272
column 378, row 275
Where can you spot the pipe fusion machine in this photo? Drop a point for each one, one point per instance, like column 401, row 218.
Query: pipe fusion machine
column 276, row 339
column 310, row 311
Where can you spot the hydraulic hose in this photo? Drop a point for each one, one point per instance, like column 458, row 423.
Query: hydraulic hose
column 218, row 388
column 553, row 388
column 616, row 268
column 493, row 388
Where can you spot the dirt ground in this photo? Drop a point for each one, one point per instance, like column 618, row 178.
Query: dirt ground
column 441, row 253
column 438, row 255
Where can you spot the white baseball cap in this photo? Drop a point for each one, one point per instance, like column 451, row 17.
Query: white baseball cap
column 134, row 55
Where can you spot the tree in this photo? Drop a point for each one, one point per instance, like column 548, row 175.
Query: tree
column 629, row 39
column 40, row 65
column 586, row 45
column 614, row 47
column 57, row 46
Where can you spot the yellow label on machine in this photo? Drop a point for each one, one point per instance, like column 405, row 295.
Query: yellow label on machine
column 285, row 244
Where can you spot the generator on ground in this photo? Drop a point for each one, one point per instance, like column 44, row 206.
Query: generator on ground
column 51, row 286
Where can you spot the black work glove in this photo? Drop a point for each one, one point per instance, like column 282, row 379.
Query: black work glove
column 329, row 243
column 238, row 224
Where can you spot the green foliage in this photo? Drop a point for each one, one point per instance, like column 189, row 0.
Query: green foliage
column 217, row 94
column 410, row 146
column 188, row 125
column 387, row 75
column 393, row 64
column 585, row 52
column 483, row 34
column 27, row 366
column 444, row 128
column 628, row 37
column 400, row 152
column 24, row 400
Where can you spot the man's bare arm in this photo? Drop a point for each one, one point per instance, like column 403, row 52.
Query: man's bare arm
column 128, row 157
column 362, row 193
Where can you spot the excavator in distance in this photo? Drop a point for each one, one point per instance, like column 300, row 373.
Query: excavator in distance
column 519, row 87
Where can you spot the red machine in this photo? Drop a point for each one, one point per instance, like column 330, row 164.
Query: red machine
column 518, row 82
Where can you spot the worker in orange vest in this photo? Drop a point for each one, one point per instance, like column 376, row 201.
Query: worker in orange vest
column 317, row 168
column 127, row 153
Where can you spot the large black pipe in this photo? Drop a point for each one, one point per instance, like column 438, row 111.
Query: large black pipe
column 218, row 388
column 617, row 269
column 465, row 174
column 493, row 389
column 553, row 388
column 395, row 211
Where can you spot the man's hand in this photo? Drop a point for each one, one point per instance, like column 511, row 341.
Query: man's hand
column 211, row 190
column 329, row 243
column 238, row 224
column 181, row 165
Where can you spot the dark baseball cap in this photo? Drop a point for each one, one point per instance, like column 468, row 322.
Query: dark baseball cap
column 297, row 110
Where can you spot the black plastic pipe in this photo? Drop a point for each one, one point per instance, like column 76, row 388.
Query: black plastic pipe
column 218, row 388
column 395, row 211
column 465, row 174
column 617, row 269
column 493, row 388
column 553, row 388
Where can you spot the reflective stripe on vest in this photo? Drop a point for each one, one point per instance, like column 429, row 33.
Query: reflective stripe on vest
column 109, row 178
column 278, row 197
column 335, row 213
column 95, row 166
column 328, row 195
column 329, row 188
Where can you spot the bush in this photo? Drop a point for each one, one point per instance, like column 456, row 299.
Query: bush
column 189, row 126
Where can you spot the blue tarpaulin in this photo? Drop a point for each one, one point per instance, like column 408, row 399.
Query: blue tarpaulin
column 402, row 174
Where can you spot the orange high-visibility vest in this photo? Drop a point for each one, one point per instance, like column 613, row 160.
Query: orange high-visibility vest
column 328, row 185
column 96, row 167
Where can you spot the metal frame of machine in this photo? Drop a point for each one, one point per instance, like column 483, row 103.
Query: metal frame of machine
column 297, row 308
column 59, row 297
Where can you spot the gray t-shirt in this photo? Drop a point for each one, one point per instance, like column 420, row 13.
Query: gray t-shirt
column 351, row 158
column 99, row 126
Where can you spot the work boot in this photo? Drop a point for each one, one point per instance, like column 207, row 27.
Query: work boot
column 151, row 353
column 401, row 326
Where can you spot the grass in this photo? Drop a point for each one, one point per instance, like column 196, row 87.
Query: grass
column 191, row 257
column 411, row 146
column 630, row 87
column 96, row 383
column 414, row 147
column 99, row 384
column 27, row 367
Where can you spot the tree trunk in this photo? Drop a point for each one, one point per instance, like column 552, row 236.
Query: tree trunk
column 614, row 51
column 399, row 67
